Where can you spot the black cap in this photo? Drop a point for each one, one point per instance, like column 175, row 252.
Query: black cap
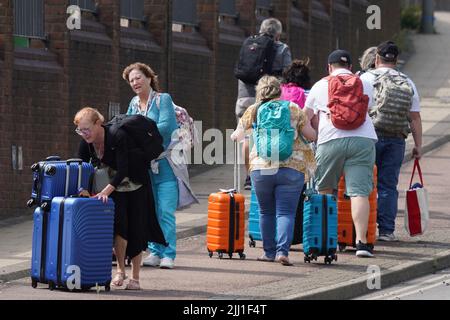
column 388, row 50
column 340, row 56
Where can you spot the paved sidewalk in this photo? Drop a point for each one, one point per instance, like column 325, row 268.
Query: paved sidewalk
column 198, row 277
column 428, row 67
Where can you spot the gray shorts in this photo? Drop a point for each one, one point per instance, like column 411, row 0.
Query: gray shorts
column 355, row 157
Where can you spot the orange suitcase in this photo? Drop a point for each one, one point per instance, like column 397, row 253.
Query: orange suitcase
column 226, row 224
column 226, row 220
column 346, row 229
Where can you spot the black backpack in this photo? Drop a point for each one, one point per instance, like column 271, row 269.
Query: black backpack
column 143, row 131
column 255, row 58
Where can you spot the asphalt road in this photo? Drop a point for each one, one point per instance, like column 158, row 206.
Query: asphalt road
column 432, row 287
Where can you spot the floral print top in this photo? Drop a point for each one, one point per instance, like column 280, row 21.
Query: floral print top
column 302, row 158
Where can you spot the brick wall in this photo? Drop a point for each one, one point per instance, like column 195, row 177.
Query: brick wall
column 320, row 39
column 298, row 33
column 231, row 37
column 6, row 174
column 41, row 89
column 341, row 25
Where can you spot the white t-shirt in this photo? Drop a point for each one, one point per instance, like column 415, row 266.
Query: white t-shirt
column 370, row 78
column 318, row 101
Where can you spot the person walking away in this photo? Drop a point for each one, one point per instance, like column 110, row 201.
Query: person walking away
column 296, row 82
column 345, row 144
column 135, row 221
column 367, row 61
column 246, row 91
column 278, row 176
column 395, row 112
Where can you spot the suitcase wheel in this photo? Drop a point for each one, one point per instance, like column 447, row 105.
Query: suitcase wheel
column 108, row 287
column 242, row 256
column 220, row 255
column 33, row 283
column 51, row 285
column 252, row 243
column 230, row 255
column 307, row 259
column 210, row 254
column 342, row 247
column 329, row 259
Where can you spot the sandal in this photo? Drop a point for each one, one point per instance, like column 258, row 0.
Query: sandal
column 118, row 279
column 133, row 285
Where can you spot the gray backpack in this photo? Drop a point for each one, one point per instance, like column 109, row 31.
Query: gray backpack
column 393, row 100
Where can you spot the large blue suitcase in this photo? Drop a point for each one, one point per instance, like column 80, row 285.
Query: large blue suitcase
column 320, row 227
column 49, row 179
column 80, row 237
column 40, row 246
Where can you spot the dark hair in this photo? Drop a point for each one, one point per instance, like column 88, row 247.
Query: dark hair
column 298, row 73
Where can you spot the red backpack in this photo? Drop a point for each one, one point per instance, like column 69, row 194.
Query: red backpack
column 347, row 102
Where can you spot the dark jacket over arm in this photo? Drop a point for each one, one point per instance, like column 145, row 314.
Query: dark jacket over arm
column 121, row 154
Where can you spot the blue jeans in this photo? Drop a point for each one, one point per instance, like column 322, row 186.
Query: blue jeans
column 390, row 154
column 166, row 201
column 278, row 197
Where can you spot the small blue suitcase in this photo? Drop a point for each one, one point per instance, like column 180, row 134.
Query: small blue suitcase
column 40, row 246
column 320, row 227
column 80, row 235
column 49, row 179
column 254, row 231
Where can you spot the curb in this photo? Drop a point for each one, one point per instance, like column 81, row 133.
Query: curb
column 428, row 147
column 22, row 270
column 347, row 290
column 15, row 272
column 358, row 287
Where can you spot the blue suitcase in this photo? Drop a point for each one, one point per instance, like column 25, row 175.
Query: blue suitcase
column 80, row 235
column 254, row 232
column 320, row 227
column 49, row 179
column 40, row 246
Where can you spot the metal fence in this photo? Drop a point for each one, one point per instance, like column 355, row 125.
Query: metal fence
column 133, row 10
column 185, row 11
column 29, row 18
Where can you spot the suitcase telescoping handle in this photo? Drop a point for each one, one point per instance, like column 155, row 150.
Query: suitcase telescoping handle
column 80, row 166
column 237, row 171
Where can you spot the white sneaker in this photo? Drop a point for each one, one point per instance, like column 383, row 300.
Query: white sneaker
column 152, row 261
column 166, row 263
column 388, row 237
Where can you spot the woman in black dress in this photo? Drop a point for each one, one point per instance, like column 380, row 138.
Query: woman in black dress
column 134, row 227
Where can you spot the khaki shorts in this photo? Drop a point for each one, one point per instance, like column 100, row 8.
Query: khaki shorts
column 355, row 157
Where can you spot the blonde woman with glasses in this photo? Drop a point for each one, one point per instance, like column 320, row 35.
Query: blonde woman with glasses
column 135, row 221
